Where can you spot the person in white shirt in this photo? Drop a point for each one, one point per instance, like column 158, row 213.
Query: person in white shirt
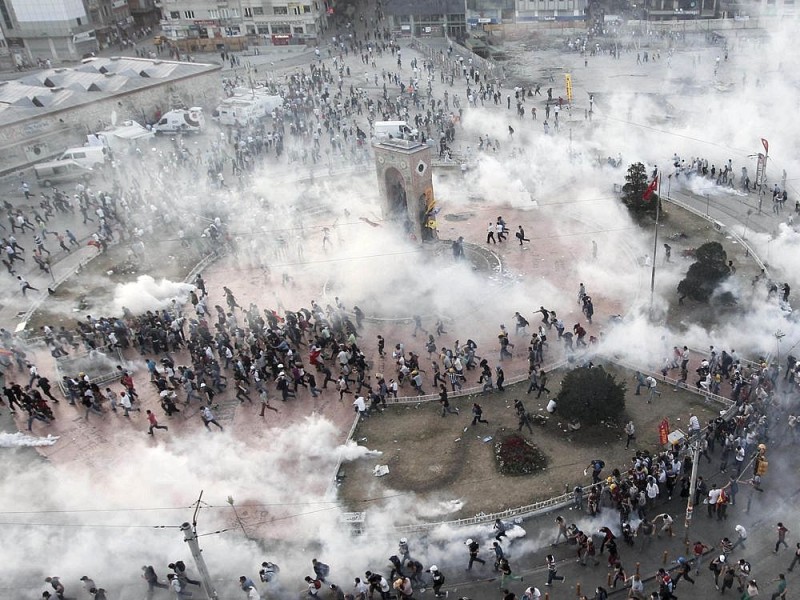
column 209, row 418
column 694, row 424
column 713, row 496
column 360, row 589
column 532, row 593
column 176, row 586
column 739, row 457
column 741, row 532
column 651, row 388
column 361, row 406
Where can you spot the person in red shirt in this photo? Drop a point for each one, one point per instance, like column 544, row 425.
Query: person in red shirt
column 782, row 531
column 151, row 418
column 127, row 383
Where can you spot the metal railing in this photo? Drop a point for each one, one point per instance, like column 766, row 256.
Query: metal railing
column 715, row 223
column 709, row 396
column 521, row 512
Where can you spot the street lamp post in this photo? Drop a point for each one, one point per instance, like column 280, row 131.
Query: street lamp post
column 746, row 222
column 779, row 335
column 655, row 238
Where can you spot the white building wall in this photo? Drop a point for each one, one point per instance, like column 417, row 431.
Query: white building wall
column 39, row 11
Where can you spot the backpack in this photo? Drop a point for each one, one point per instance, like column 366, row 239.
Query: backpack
column 745, row 567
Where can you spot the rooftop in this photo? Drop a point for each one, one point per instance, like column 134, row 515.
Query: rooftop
column 400, row 144
column 52, row 90
column 424, row 7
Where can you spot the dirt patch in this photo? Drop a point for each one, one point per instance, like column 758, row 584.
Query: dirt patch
column 92, row 288
column 448, row 458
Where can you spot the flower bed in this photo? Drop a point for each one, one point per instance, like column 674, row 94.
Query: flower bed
column 517, row 456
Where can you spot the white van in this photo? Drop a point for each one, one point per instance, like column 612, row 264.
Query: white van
column 181, row 121
column 242, row 111
column 86, row 156
column 61, row 171
column 121, row 139
column 395, row 129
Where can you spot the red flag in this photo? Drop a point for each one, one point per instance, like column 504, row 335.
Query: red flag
column 650, row 189
column 765, row 143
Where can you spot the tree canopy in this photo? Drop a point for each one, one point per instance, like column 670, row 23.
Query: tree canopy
column 636, row 183
column 706, row 273
column 591, row 395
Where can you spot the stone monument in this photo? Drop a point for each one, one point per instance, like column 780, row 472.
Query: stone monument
column 406, row 186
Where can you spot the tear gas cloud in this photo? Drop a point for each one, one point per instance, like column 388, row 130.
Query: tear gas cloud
column 557, row 183
column 148, row 294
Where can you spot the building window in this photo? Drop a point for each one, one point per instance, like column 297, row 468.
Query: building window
column 78, row 22
column 174, row 14
column 297, row 9
column 281, row 29
column 297, row 30
column 188, row 14
column 6, row 15
column 248, row 12
column 234, row 13
column 258, row 10
column 223, row 13
column 213, row 13
column 280, row 10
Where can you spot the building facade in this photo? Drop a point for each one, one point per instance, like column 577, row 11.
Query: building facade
column 214, row 22
column 551, row 10
column 41, row 30
column 490, row 12
column 145, row 13
column 426, row 18
column 112, row 20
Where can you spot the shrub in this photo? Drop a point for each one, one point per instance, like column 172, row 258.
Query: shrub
column 590, row 395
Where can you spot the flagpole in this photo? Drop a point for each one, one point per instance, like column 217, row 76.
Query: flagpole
column 655, row 244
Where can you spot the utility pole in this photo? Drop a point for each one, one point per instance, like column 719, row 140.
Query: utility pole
column 695, row 446
column 190, row 537
column 761, row 173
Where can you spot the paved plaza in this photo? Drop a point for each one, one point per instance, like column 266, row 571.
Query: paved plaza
column 267, row 477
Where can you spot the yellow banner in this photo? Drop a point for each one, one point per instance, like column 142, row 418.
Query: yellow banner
column 568, row 79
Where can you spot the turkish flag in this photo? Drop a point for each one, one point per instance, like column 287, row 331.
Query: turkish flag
column 650, row 189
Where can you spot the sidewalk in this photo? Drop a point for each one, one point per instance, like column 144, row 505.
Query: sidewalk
column 660, row 552
column 738, row 214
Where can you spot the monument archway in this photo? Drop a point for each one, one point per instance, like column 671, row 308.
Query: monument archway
column 406, row 186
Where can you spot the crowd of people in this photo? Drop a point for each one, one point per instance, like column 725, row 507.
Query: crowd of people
column 198, row 351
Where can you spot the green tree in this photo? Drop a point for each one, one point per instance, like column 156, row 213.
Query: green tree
column 591, row 395
column 633, row 191
column 705, row 274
